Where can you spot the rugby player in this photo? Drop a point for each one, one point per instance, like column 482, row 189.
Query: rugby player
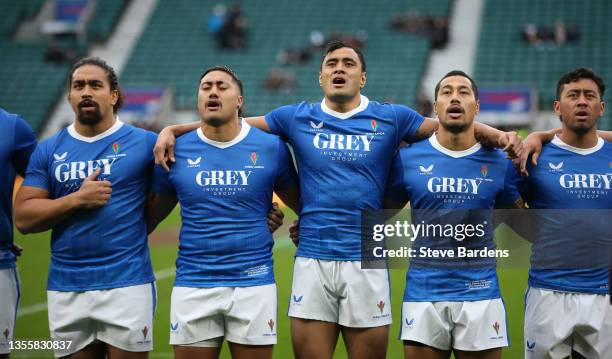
column 569, row 259
column 224, row 177
column 15, row 149
column 89, row 184
column 453, row 304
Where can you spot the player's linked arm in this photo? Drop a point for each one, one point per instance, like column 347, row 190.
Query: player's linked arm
column 520, row 221
column 164, row 147
column 290, row 197
column 509, row 142
column 392, row 206
column 36, row 212
column 158, row 208
column 535, row 140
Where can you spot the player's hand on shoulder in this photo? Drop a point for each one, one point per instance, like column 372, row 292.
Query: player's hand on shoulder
column 17, row 249
column 93, row 193
column 275, row 218
column 294, row 232
column 532, row 146
column 512, row 144
column 164, row 148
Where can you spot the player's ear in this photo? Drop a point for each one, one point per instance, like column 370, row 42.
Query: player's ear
column 114, row 97
column 364, row 78
column 239, row 102
column 477, row 107
column 320, row 79
column 603, row 107
column 557, row 108
column 435, row 108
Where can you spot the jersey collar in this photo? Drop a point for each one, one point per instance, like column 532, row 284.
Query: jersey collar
column 581, row 151
column 455, row 154
column 363, row 104
column 114, row 128
column 244, row 131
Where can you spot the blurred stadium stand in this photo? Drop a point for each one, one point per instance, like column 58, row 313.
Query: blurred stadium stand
column 504, row 58
column 176, row 47
column 31, row 86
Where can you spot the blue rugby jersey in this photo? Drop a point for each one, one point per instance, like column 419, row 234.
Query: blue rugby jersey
column 225, row 193
column 343, row 162
column 106, row 247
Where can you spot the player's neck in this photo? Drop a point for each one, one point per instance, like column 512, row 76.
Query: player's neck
column 96, row 129
column 344, row 106
column 224, row 133
column 456, row 141
column 579, row 140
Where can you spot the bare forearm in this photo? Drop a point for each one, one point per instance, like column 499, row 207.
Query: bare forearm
column 545, row 136
column 38, row 214
column 183, row 128
column 157, row 209
column 487, row 135
column 606, row 135
column 291, row 198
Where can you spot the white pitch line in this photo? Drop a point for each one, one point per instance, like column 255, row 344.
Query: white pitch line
column 41, row 307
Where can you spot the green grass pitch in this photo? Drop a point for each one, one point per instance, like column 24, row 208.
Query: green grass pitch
column 32, row 323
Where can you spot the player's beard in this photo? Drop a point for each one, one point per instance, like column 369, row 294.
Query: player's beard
column 579, row 128
column 215, row 121
column 89, row 118
column 455, row 127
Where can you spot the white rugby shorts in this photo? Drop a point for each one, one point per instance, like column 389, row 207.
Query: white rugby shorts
column 468, row 326
column 340, row 292
column 203, row 317
column 9, row 297
column 121, row 317
column 558, row 322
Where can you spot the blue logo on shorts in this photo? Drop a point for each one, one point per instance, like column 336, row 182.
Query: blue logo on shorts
column 409, row 323
column 530, row 346
column 297, row 299
column 173, row 327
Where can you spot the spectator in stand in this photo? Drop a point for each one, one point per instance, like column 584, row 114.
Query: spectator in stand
column 216, row 19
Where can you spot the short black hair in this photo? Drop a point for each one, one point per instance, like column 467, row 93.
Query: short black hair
column 336, row 44
column 456, row 73
column 228, row 71
column 578, row 74
column 110, row 72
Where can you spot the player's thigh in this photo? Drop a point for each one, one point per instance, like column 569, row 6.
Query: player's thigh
column 95, row 350
column 189, row 352
column 242, row 351
column 415, row 350
column 116, row 353
column 313, row 338
column 494, row 353
column 366, row 342
column 252, row 317
column 9, row 297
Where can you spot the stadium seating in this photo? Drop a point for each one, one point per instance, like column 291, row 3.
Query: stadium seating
column 106, row 14
column 504, row 58
column 31, row 86
column 176, row 47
